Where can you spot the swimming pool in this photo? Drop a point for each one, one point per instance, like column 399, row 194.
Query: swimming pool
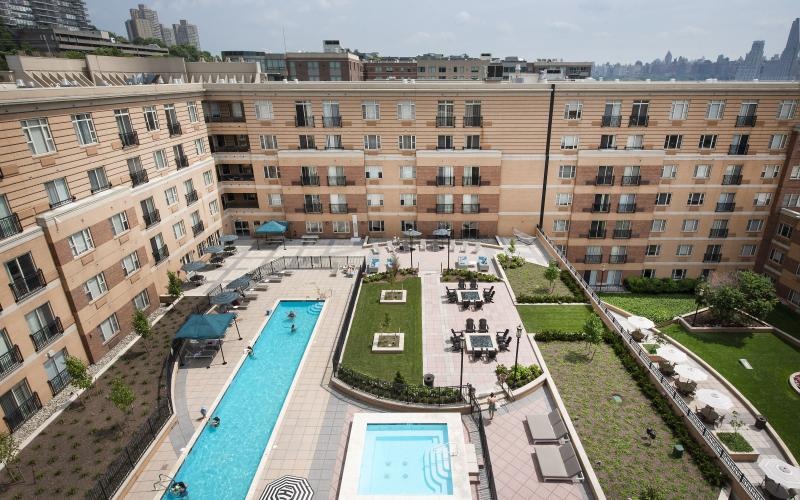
column 224, row 460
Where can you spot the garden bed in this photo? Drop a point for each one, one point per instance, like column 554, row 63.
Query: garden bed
column 706, row 321
column 530, row 285
column 393, row 296
column 388, row 342
column 737, row 447
column 658, row 308
column 564, row 318
column 453, row 275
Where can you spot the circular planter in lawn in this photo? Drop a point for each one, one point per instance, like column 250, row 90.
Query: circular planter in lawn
column 794, row 381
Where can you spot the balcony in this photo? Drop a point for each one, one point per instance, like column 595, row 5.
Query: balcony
column 27, row 285
column 181, row 162
column 138, row 177
column 338, row 208
column 9, row 226
column 604, row 180
column 230, row 148
column 602, row 146
column 445, row 121
column 617, row 259
column 198, row 228
column 151, row 218
column 303, row 121
column 592, row 259
column 331, row 121
column 738, row 149
column 14, row 419
column 731, row 179
column 721, row 232
column 47, row 335
column 59, row 382
column 102, row 187
column 444, row 180
column 626, row 208
column 191, row 197
column 601, row 207
column 621, row 234
column 444, row 208
column 634, row 148
column 312, row 208
column 241, row 203
column 309, row 180
column 746, row 121
column 235, row 177
column 10, row 360
column 611, row 120
column 61, row 203
column 446, row 147
column 638, row 121
column 174, row 129
column 337, row 180
column 473, row 121
column 712, row 257
column 631, row 180
column 725, row 207
column 224, row 119
column 129, row 139
column 597, row 233
column 471, row 181
column 470, row 208
column 160, row 254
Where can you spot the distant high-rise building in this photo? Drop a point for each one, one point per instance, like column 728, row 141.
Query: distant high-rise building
column 787, row 67
column 186, row 34
column 65, row 14
column 168, row 35
column 750, row 69
column 668, row 58
column 143, row 24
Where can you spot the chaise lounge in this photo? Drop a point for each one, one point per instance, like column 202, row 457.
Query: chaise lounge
column 548, row 428
column 558, row 462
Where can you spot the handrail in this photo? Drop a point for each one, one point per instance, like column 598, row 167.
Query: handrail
column 643, row 358
column 477, row 417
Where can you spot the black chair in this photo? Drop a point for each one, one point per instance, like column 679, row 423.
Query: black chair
column 478, row 304
column 465, row 304
column 456, row 340
column 454, row 333
column 501, row 336
column 488, row 290
column 470, row 326
column 491, row 354
column 483, row 325
column 452, row 298
column 462, row 285
column 488, row 296
column 507, row 343
column 473, row 284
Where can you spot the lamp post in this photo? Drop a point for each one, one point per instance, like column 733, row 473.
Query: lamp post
column 448, row 250
column 516, row 356
column 697, row 301
column 602, row 275
column 461, row 376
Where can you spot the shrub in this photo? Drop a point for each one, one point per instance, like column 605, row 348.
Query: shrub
column 638, row 284
column 121, row 395
column 540, row 298
column 398, row 390
column 573, row 285
column 557, row 335
column 78, row 373
column 510, row 262
column 174, row 285
column 388, row 277
column 735, row 442
column 520, row 375
column 455, row 274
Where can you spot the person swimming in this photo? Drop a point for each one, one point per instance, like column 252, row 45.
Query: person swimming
column 250, row 351
column 215, row 422
column 291, row 315
column 294, row 328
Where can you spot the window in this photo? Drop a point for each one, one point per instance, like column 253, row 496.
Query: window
column 150, row 118
column 274, row 199
column 313, row 226
column 561, row 225
column 263, row 110
column 748, row 250
column 652, row 250
column 376, row 226
column 669, row 171
column 407, row 225
column 695, row 199
column 80, row 242
column 374, row 200
column 673, row 141
column 333, row 141
column 702, row 171
column 684, row 250
column 776, row 255
column 762, row 199
column 142, row 300
column 160, row 159
column 795, row 173
column 109, row 327
column 97, row 179
column 658, row 225
column 130, row 263
column 199, row 147
column 208, row 179
column 569, row 142
column 179, row 229
column 407, row 142
column 794, row 297
column 125, row 126
column 777, row 141
column 444, row 142
column 648, row 273
column 272, row 172
column 370, row 110
column 37, row 135
column 213, row 207
column 690, row 225
column 563, row 199
column 679, row 274
column 408, row 199
column 191, row 107
column 341, row 226
column 408, row 172
column 635, row 142
column 119, row 223
column 754, row 225
column 406, row 110
column 374, row 172
column 770, row 171
column 573, row 110
column 679, row 111
column 707, row 141
column 786, row 109
column 715, row 110
column 269, row 141
column 372, row 142
column 84, row 129
column 566, row 172
column 663, row 199
column 171, row 195
column 307, row 142
column 784, row 230
column 472, row 142
column 791, row 200
column 95, row 287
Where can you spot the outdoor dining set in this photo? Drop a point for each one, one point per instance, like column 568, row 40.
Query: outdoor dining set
column 478, row 341
column 469, row 297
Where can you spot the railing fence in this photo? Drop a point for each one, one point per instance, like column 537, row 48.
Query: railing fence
column 477, row 417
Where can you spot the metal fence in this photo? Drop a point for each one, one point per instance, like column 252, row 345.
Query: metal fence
column 643, row 358
column 477, row 417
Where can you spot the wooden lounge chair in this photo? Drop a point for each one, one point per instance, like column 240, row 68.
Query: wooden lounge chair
column 483, row 325
column 478, row 304
column 470, row 328
column 558, row 462
column 549, row 428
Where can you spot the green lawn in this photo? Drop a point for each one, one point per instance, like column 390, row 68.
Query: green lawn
column 787, row 320
column 529, row 280
column 766, row 385
column 612, row 432
column 659, row 308
column 565, row 318
column 368, row 319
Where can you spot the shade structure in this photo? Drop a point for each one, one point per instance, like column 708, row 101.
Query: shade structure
column 205, row 326
column 193, row 266
column 228, row 238
column 225, row 298
column 714, row 399
column 640, row 322
column 671, row 353
column 690, row 372
column 239, row 283
column 782, row 473
column 412, row 233
column 441, row 233
column 272, row 227
column 214, row 249
column 288, row 487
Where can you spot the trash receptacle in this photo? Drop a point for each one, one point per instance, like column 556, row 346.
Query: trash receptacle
column 761, row 422
column 428, row 379
column 677, row 451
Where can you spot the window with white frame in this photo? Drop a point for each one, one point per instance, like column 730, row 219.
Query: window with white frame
column 191, row 107
column 275, row 199
column 213, row 207
column 372, row 142
column 786, row 109
column 776, row 255
column 160, row 159
column 142, row 300
column 179, row 229
column 98, row 181
column 762, row 199
column 770, row 171
column 408, row 172
column 563, row 199
column 794, row 297
column 341, row 226
column 264, row 111
column 795, row 173
column 95, row 286
column 119, row 223
column 679, row 274
column 80, row 242
column 573, row 110
column 673, row 141
column 702, row 171
column 407, row 142
column 171, row 195
column 708, row 141
column 777, row 141
column 566, row 171
column 272, row 172
column 130, row 263
column 569, row 142
column 683, row 250
column 374, row 172
column 406, row 110
column 84, row 129
column 754, row 225
column 658, row 225
column 791, row 200
column 313, row 226
column 679, row 110
column 784, row 230
column 715, row 110
column 374, row 200
column 690, row 225
column 150, row 118
column 208, row 178
column 663, row 199
column 748, row 250
column 109, row 327
column 376, row 226
column 635, row 142
column 408, row 199
column 370, row 110
column 695, row 199
column 561, row 225
column 38, row 136
column 269, row 141
column 669, row 171
column 652, row 250
column 199, row 147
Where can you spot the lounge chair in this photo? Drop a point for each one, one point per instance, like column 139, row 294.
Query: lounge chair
column 483, row 325
column 558, row 462
column 374, row 250
column 687, row 387
column 478, row 304
column 549, row 428
column 483, row 263
column 473, row 284
column 470, row 328
column 462, row 285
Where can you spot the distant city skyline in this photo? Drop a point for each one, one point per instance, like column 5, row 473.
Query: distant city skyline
column 599, row 30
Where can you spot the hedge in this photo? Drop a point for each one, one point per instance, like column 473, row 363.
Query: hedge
column 660, row 285
column 406, row 393
column 406, row 271
column 455, row 274
column 557, row 335
column 543, row 298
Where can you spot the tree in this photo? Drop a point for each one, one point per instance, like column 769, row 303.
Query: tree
column 121, row 395
column 141, row 325
column 78, row 373
column 8, row 454
column 552, row 273
column 190, row 53
column 593, row 330
column 729, row 295
column 393, row 268
column 512, row 246
column 174, row 285
column 759, row 294
column 73, row 54
column 149, row 41
column 109, row 51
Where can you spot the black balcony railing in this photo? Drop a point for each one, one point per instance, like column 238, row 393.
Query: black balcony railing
column 597, row 233
column 731, row 179
column 138, row 177
column 309, row 180
column 607, row 146
column 59, row 382
column 473, row 121
column 27, row 285
column 471, row 181
column 151, row 218
column 633, row 148
column 445, row 180
column 444, row 147
column 470, row 208
column 621, row 234
column 601, row 207
column 198, row 228
column 159, row 254
column 303, row 121
column 611, row 120
column 129, row 139
column 712, row 257
column 338, row 208
column 61, row 203
column 631, row 180
column 224, row 119
column 10, row 360
column 181, row 162
column 230, row 148
column 721, row 232
column 331, row 121
column 14, row 419
column 313, row 208
column 746, row 121
column 337, row 180
column 445, row 121
column 9, row 226
column 626, row 208
column 638, row 121
column 191, row 197
column 738, row 149
column 174, row 129
column 101, row 187
column 444, row 208
column 239, row 203
column 617, row 259
column 235, row 177
column 604, row 180
column 592, row 259
column 46, row 335
column 725, row 207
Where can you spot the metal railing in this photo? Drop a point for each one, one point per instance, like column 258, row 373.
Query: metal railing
column 129, row 139
column 596, row 233
column 235, row 177
column 14, row 419
column 738, row 149
column 181, row 162
column 477, row 417
column 712, row 257
column 725, row 207
column 303, row 121
column 101, row 187
column 309, row 180
column 223, row 119
column 337, row 180
column 10, row 360
column 731, row 179
column 26, row 286
column 720, row 232
column 198, row 228
column 59, row 382
column 338, row 208
column 643, row 358
column 631, row 180
column 160, row 254
column 592, row 259
column 601, row 207
column 604, row 180
column 312, row 208
column 473, row 180
column 444, row 208
column 230, row 148
column 332, row 121
column 470, row 208
column 473, row 121
column 638, row 121
column 617, row 259
column 240, row 203
column 151, row 218
column 445, row 180
column 9, row 226
column 746, row 121
column 138, row 177
column 174, row 128
column 62, row 202
column 626, row 208
column 611, row 120
column 445, row 121
column 621, row 234
column 43, row 337
column 191, row 197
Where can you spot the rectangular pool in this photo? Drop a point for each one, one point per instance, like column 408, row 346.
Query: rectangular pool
column 224, row 460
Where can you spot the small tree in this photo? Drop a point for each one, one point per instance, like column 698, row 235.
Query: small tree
column 759, row 294
column 512, row 246
column 552, row 273
column 141, row 325
column 174, row 287
column 121, row 395
column 78, row 373
column 393, row 269
column 736, row 422
column 593, row 330
column 723, row 297
column 8, row 455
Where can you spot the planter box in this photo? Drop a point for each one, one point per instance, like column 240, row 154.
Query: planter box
column 166, row 299
column 393, row 300
column 395, row 347
column 741, row 456
column 794, row 384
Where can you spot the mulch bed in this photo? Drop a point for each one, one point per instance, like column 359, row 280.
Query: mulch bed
column 705, row 319
column 68, row 456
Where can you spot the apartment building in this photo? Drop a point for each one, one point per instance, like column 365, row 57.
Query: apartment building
column 439, row 67
column 390, row 68
column 324, row 66
column 103, row 189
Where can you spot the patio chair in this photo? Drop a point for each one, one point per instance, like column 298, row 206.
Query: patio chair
column 456, row 341
column 558, row 462
column 687, row 387
column 478, row 304
column 501, row 336
column 422, row 245
column 483, row 325
column 374, row 250
column 547, row 428
column 452, row 297
column 491, row 355
column 638, row 335
column 473, row 284
column 465, row 304
column 666, row 367
column 470, row 328
column 507, row 343
column 462, row 285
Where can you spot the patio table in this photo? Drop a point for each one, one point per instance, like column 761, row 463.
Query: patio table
column 468, row 295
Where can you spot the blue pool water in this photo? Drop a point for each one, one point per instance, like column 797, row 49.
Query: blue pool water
column 406, row 459
column 223, row 460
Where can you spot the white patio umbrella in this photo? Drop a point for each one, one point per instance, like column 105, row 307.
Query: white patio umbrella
column 690, row 372
column 782, row 473
column 714, row 399
column 671, row 353
column 640, row 322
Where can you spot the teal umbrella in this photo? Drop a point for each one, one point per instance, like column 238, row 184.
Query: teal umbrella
column 273, row 227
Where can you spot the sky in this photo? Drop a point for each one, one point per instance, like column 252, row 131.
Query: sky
column 593, row 30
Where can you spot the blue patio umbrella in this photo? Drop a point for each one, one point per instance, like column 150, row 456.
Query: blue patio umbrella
column 273, row 227
column 193, row 266
column 225, row 298
column 214, row 249
column 239, row 283
column 207, row 327
column 228, row 238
